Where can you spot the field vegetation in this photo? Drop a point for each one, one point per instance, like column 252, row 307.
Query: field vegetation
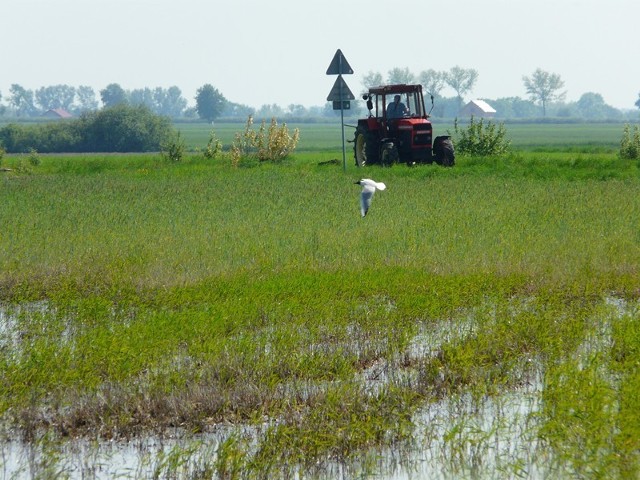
column 251, row 309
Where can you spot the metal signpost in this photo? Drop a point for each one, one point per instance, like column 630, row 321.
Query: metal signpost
column 340, row 94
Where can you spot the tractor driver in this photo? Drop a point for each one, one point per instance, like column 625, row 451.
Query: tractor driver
column 396, row 109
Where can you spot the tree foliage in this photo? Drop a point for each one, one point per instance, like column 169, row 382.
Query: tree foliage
column 112, row 95
column 544, row 87
column 122, row 128
column 461, row 80
column 21, row 100
column 432, row 81
column 400, row 75
column 210, row 103
column 372, row 79
column 56, row 96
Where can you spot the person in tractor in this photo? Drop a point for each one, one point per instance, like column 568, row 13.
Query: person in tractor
column 396, row 109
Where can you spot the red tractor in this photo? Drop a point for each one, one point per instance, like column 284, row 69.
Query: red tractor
column 398, row 130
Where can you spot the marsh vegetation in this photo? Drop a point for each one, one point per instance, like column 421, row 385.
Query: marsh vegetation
column 224, row 322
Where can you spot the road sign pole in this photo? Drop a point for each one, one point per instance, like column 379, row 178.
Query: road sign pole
column 344, row 154
column 340, row 93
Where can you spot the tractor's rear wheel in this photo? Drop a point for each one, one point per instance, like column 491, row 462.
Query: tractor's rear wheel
column 365, row 147
column 389, row 154
column 444, row 152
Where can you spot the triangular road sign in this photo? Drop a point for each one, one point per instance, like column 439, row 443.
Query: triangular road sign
column 340, row 91
column 339, row 65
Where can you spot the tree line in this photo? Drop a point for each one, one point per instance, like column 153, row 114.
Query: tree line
column 544, row 90
column 545, row 94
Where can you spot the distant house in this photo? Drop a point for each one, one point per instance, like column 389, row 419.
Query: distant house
column 57, row 113
column 478, row 108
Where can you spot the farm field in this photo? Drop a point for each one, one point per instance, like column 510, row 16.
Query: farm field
column 604, row 137
column 196, row 320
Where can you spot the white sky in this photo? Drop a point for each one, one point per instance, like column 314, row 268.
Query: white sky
column 259, row 52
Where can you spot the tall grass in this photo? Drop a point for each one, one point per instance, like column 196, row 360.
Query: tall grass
column 138, row 295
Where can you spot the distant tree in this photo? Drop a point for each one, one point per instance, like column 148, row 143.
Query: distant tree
column 544, row 87
column 592, row 105
column 432, row 81
column 514, row 107
column 86, row 99
column 372, row 79
column 637, row 104
column 210, row 102
column 269, row 111
column 462, row 80
column 142, row 96
column 112, row 95
column 22, row 100
column 56, row 96
column 237, row 110
column 169, row 101
column 400, row 75
column 296, row 110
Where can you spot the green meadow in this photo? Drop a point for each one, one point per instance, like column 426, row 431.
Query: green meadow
column 256, row 313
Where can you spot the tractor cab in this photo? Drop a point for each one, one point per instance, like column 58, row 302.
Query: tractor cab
column 395, row 102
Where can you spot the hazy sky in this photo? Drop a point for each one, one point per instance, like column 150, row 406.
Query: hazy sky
column 259, row 52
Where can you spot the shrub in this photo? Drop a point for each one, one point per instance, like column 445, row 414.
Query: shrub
column 173, row 149
column 122, row 128
column 34, row 158
column 214, row 146
column 480, row 139
column 267, row 144
column 61, row 136
column 630, row 143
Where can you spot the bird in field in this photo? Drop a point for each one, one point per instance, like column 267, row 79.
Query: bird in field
column 368, row 189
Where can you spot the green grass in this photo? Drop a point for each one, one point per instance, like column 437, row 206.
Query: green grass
column 144, row 295
column 569, row 137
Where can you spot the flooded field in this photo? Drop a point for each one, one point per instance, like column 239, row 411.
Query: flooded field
column 465, row 432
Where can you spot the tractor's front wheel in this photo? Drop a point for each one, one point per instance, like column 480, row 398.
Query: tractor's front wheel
column 365, row 147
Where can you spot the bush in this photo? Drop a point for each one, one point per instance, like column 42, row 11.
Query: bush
column 214, row 147
column 174, row 148
column 480, row 139
column 630, row 144
column 61, row 136
column 122, row 128
column 267, row 144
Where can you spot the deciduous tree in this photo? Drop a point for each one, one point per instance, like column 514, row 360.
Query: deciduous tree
column 400, row 75
column 86, row 98
column 372, row 79
column 22, row 100
column 432, row 81
column 56, row 96
column 210, row 102
column 462, row 80
column 112, row 95
column 544, row 87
